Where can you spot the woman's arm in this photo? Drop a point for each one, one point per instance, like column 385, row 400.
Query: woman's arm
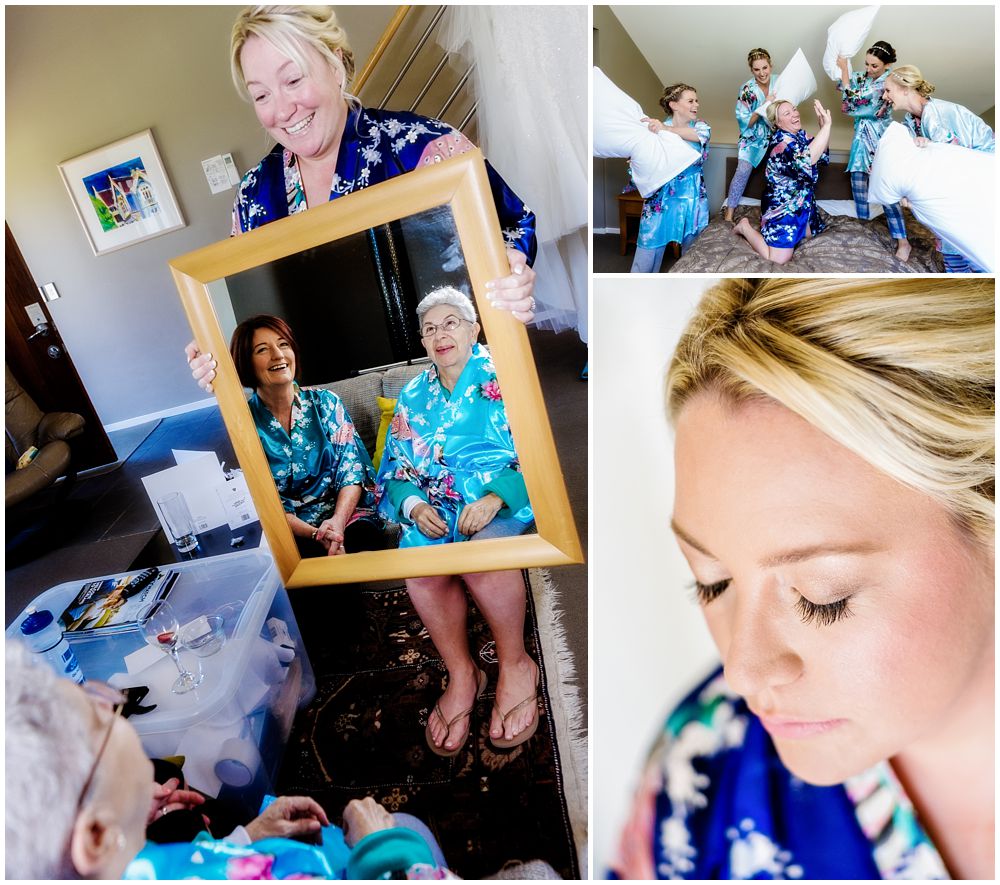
column 822, row 140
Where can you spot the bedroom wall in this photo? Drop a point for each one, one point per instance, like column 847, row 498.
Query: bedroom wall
column 711, row 53
column 616, row 54
column 82, row 77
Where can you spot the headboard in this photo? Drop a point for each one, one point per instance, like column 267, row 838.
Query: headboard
column 834, row 182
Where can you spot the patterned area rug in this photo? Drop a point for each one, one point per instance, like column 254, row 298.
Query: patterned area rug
column 378, row 677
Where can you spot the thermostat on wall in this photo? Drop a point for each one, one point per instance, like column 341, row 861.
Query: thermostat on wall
column 221, row 173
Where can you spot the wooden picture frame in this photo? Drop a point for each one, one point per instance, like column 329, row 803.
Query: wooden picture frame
column 461, row 184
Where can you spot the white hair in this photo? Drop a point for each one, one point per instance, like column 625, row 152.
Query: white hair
column 447, row 295
column 49, row 751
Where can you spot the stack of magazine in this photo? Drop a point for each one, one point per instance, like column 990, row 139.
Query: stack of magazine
column 115, row 605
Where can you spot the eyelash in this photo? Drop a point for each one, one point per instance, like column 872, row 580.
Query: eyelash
column 809, row 612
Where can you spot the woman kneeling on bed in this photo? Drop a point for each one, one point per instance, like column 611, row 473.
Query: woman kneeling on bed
column 788, row 210
column 450, row 473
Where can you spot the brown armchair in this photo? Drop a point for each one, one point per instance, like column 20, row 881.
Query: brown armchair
column 26, row 426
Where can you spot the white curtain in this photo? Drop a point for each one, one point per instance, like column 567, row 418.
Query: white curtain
column 531, row 83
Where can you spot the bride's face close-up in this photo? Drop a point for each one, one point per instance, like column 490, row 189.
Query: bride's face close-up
column 851, row 611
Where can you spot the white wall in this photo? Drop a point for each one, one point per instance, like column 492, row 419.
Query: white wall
column 78, row 78
column 650, row 643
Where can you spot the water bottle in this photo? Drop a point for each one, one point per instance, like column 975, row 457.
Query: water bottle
column 44, row 637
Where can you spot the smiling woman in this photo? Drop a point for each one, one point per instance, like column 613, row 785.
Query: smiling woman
column 834, row 500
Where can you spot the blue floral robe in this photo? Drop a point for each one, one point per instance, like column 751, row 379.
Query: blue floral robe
column 376, row 146
column 678, row 211
column 449, row 446
column 753, row 139
column 322, row 454
column 716, row 802
column 862, row 99
column 789, row 204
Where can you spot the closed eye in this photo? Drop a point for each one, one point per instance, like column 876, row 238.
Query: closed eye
column 705, row 593
column 823, row 615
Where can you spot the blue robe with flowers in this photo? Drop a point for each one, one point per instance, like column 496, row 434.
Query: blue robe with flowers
column 322, row 454
column 862, row 99
column 375, row 146
column 678, row 211
column 753, row 138
column 789, row 204
column 449, row 446
column 716, row 802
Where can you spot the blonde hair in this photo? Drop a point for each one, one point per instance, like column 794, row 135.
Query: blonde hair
column 757, row 54
column 900, row 372
column 771, row 112
column 289, row 29
column 910, row 77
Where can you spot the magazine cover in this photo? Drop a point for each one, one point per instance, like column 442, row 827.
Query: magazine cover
column 114, row 604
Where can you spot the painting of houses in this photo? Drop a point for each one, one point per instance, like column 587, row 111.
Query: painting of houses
column 122, row 194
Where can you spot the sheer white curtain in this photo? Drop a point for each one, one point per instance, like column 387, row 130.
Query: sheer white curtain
column 531, row 83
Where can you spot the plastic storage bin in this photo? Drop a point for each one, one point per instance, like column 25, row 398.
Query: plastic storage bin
column 232, row 729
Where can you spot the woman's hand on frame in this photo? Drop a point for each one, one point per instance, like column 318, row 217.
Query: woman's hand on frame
column 514, row 291
column 202, row 366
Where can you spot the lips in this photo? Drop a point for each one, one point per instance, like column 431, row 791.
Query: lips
column 278, row 368
column 440, row 351
column 791, row 728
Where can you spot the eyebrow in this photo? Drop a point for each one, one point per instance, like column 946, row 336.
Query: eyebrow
column 793, row 555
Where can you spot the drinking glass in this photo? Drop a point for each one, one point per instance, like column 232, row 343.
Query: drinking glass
column 177, row 516
column 159, row 628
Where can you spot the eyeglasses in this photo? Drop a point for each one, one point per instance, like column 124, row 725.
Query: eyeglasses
column 102, row 695
column 450, row 324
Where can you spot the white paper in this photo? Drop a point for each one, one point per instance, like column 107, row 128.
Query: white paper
column 197, row 480
column 237, row 503
column 141, row 659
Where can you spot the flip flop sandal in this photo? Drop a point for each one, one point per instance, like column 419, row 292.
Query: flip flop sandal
column 449, row 724
column 505, row 744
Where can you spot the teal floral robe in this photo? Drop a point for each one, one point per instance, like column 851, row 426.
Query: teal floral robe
column 322, row 454
column 448, row 447
column 753, row 139
column 950, row 123
column 862, row 99
column 678, row 211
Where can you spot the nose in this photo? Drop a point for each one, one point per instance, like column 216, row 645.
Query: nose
column 284, row 107
column 757, row 658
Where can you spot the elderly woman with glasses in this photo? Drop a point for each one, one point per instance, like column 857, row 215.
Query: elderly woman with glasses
column 80, row 793
column 450, row 472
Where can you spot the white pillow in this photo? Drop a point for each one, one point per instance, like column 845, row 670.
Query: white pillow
column 846, row 36
column 618, row 132
column 795, row 83
column 948, row 188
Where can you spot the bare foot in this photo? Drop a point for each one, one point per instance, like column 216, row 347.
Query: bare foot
column 903, row 250
column 517, row 681
column 728, row 214
column 458, row 697
column 741, row 225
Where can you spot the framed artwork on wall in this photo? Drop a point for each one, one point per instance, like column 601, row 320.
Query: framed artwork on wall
column 121, row 193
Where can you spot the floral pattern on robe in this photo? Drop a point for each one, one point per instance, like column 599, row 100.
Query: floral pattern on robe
column 753, row 138
column 321, row 455
column 716, row 802
column 678, row 211
column 862, row 99
column 950, row 123
column 376, row 146
column 448, row 446
column 789, row 204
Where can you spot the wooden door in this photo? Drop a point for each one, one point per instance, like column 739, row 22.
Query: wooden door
column 43, row 366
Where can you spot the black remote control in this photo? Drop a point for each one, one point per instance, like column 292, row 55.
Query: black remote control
column 143, row 579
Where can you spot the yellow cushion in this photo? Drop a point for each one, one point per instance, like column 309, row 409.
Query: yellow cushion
column 386, row 407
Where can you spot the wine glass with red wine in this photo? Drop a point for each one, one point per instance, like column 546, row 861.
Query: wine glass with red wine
column 159, row 628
